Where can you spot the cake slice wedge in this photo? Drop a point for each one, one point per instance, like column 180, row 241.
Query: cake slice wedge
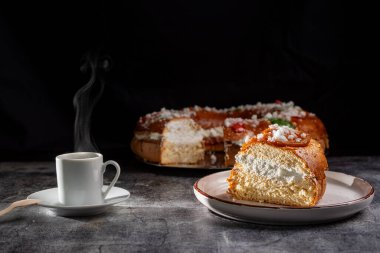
column 182, row 142
column 280, row 166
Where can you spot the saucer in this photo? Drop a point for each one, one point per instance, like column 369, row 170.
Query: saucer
column 49, row 199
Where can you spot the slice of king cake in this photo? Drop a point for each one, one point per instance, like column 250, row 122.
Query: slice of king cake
column 282, row 166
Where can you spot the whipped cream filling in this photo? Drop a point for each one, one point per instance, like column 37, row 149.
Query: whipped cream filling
column 205, row 133
column 183, row 131
column 267, row 168
column 148, row 136
column 213, row 132
column 243, row 140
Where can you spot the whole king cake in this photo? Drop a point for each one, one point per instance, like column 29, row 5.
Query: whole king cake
column 280, row 165
column 204, row 136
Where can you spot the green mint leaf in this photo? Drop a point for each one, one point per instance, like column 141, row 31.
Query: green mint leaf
column 281, row 122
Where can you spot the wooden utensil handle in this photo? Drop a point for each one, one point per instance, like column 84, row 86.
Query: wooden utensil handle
column 20, row 203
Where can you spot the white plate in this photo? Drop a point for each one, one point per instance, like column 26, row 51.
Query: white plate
column 49, row 198
column 345, row 195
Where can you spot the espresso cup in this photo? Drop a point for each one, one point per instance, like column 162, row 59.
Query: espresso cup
column 80, row 178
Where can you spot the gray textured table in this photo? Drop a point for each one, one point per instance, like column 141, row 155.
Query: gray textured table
column 162, row 215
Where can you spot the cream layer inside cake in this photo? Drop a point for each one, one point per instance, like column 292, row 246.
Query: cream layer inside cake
column 269, row 174
column 182, row 142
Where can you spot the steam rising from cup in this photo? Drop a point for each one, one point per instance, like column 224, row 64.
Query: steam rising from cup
column 87, row 97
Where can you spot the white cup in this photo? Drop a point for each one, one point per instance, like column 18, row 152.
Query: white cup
column 80, row 178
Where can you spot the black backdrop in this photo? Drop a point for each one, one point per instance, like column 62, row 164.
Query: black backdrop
column 174, row 54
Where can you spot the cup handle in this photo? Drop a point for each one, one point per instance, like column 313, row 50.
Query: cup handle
column 116, row 165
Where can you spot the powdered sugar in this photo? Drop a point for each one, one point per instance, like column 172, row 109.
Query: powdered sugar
column 260, row 136
column 165, row 114
column 232, row 121
column 283, row 134
column 280, row 134
column 281, row 110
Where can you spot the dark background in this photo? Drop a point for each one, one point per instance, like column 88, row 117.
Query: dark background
column 174, row 54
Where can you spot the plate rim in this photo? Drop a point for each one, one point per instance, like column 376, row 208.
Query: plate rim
column 116, row 200
column 351, row 202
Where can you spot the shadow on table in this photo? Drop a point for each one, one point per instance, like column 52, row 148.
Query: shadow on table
column 104, row 216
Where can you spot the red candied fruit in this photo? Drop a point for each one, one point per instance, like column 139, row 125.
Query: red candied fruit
column 238, row 127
